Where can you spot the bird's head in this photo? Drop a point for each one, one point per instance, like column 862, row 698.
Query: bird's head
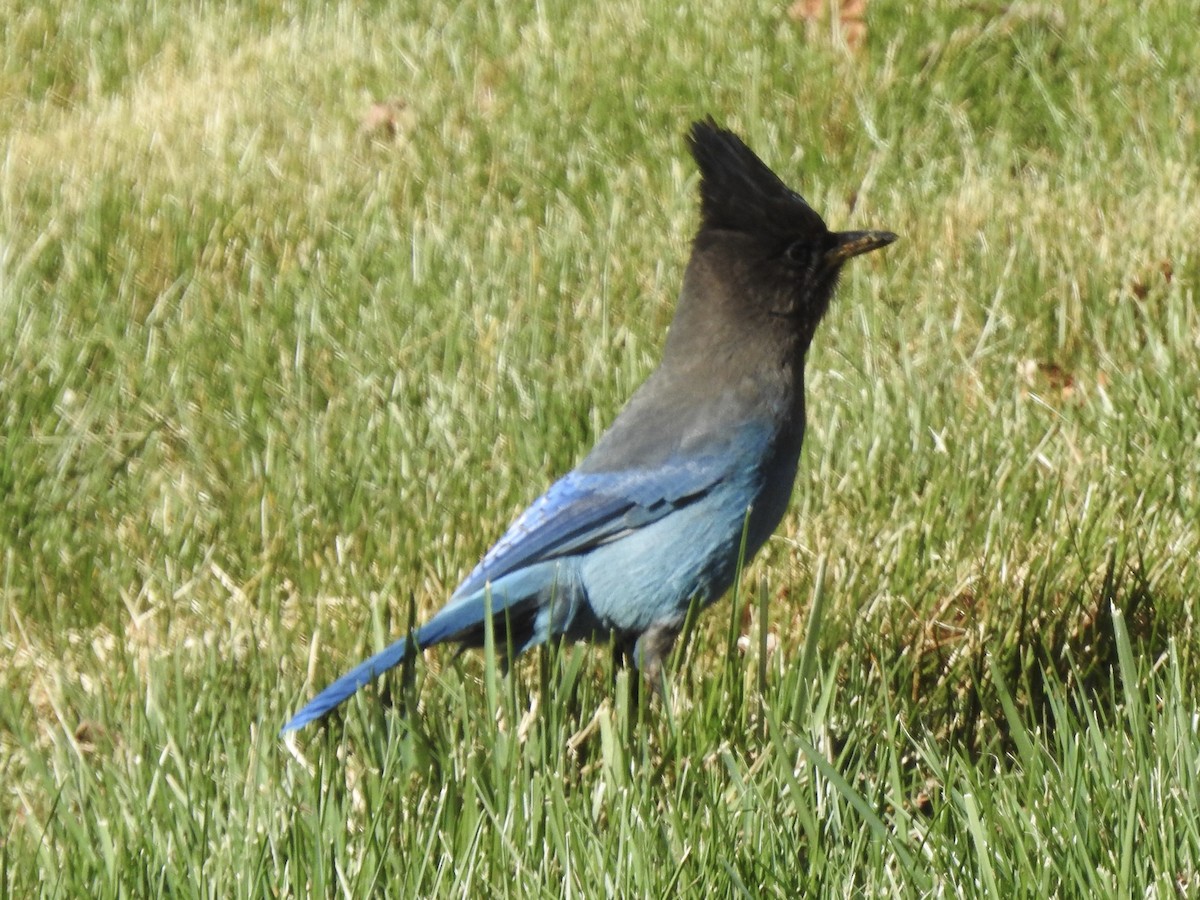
column 776, row 257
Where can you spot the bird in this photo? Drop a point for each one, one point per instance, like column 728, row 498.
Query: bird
column 697, row 470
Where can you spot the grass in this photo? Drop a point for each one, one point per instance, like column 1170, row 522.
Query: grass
column 272, row 382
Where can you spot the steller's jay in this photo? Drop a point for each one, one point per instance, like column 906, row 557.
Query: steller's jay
column 696, row 471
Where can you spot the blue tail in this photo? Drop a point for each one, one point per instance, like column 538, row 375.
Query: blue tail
column 513, row 604
column 341, row 689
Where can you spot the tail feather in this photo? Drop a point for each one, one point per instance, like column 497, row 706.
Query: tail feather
column 341, row 690
column 461, row 621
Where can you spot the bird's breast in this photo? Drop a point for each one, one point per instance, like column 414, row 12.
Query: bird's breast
column 651, row 575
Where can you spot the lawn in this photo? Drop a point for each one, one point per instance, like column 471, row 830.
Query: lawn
column 301, row 304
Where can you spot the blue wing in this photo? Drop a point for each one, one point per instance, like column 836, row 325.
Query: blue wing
column 584, row 509
column 579, row 511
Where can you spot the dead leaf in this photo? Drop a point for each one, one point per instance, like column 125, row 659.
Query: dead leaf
column 848, row 19
column 386, row 120
column 1046, row 377
column 1144, row 283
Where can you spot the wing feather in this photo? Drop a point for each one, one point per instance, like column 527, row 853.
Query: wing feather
column 583, row 510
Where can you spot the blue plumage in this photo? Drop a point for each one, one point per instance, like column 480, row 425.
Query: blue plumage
column 699, row 465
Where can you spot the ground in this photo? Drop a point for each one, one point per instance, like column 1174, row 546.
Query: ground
column 301, row 304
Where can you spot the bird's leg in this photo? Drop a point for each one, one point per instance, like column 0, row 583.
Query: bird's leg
column 621, row 653
column 622, row 656
column 651, row 649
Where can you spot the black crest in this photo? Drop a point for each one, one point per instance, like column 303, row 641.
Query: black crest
column 738, row 192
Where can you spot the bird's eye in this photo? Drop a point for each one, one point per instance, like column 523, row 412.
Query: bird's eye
column 798, row 253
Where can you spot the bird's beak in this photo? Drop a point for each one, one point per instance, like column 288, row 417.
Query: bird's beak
column 855, row 243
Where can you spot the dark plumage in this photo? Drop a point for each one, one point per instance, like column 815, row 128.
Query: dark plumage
column 704, row 454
